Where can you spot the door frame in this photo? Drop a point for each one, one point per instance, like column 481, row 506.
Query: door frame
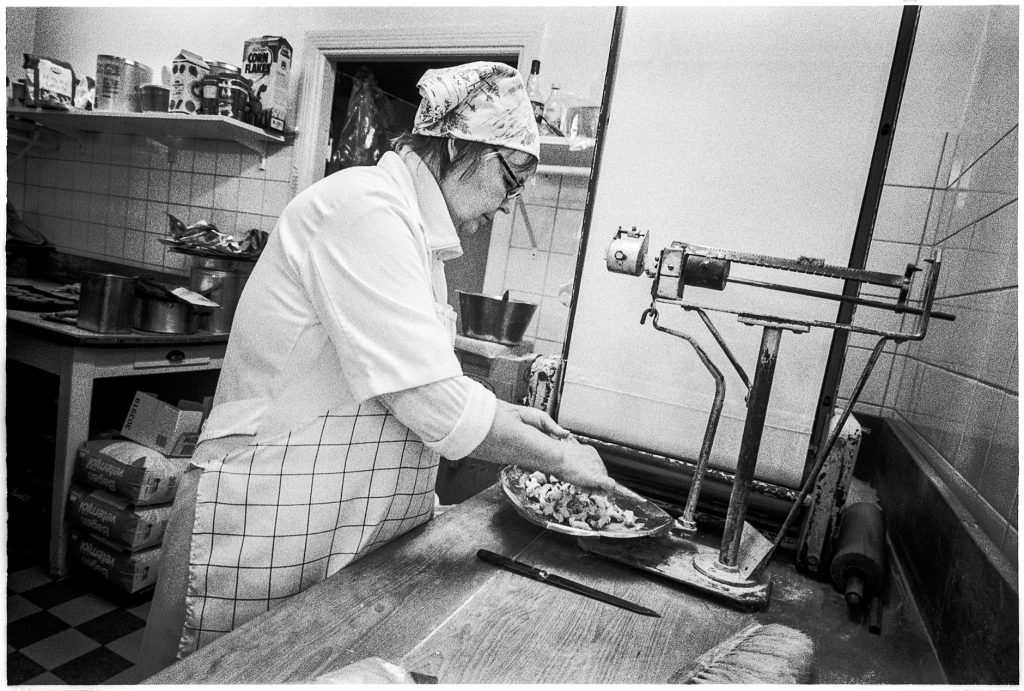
column 323, row 48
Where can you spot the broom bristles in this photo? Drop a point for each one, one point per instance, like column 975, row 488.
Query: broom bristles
column 759, row 654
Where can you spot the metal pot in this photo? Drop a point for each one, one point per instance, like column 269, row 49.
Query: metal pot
column 165, row 316
column 221, row 280
column 496, row 319
column 107, row 303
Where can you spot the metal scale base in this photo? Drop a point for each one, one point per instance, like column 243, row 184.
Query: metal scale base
column 680, row 558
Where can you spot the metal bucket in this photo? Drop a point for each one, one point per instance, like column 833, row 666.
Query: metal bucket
column 107, row 303
column 496, row 319
column 221, row 280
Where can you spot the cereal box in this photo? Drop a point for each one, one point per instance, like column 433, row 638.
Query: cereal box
column 267, row 61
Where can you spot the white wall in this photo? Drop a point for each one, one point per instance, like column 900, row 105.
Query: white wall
column 21, row 32
column 106, row 196
column 574, row 48
column 749, row 129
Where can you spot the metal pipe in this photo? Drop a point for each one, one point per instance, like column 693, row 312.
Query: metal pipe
column 526, row 222
column 823, row 453
column 750, row 445
column 898, row 309
column 610, row 77
column 870, row 201
column 688, row 523
column 921, row 327
column 721, row 342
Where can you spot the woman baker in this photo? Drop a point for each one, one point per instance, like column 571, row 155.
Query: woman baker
column 340, row 388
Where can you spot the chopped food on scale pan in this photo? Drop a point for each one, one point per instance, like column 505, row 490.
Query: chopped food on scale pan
column 566, row 504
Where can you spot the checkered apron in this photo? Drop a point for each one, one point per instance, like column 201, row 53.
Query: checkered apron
column 280, row 515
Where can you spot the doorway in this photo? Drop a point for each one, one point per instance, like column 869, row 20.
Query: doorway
column 384, row 89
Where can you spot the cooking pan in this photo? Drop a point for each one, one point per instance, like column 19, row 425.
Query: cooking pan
column 159, row 310
column 165, row 316
column 107, row 302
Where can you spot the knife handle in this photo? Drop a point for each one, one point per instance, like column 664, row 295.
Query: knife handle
column 511, row 564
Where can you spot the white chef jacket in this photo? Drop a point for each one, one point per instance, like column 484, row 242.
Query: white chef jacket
column 342, row 335
column 343, row 306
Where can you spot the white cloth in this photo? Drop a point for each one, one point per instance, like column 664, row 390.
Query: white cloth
column 344, row 312
column 280, row 515
column 479, row 102
column 344, row 303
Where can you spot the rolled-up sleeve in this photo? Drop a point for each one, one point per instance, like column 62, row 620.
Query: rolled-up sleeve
column 452, row 416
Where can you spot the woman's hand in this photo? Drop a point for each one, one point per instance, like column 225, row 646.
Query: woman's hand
column 528, row 437
column 537, row 418
column 582, row 466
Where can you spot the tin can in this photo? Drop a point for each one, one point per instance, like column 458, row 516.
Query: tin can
column 233, row 95
column 208, row 89
column 187, row 72
column 209, row 104
column 217, row 66
column 155, row 97
column 117, row 82
column 138, row 74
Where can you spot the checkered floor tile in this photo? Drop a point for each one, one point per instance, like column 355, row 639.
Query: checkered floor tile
column 70, row 631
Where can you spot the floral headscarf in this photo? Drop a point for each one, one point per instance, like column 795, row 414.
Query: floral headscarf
column 479, row 102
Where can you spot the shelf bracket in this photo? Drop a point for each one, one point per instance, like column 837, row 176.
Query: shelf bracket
column 38, row 128
column 172, row 144
column 258, row 148
column 30, row 143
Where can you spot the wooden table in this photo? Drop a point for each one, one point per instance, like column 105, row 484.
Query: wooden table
column 79, row 357
column 426, row 602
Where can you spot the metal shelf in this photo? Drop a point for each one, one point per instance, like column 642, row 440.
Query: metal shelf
column 163, row 128
column 543, row 169
column 557, row 159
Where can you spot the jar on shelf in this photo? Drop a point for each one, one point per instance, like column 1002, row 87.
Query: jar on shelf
column 554, row 111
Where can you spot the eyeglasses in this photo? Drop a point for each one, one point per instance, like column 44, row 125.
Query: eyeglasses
column 517, row 187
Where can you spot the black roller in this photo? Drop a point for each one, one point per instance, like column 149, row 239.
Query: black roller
column 858, row 567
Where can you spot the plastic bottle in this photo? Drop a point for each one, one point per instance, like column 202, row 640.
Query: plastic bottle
column 554, row 111
column 533, row 90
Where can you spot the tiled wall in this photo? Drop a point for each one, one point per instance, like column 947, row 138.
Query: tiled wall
column 107, row 196
column 957, row 191
column 537, row 272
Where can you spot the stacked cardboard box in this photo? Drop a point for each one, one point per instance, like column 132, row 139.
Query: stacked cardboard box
column 123, row 491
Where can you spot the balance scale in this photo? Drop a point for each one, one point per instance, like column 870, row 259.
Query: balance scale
column 735, row 570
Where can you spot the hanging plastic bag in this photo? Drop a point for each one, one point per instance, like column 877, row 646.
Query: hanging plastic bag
column 363, row 138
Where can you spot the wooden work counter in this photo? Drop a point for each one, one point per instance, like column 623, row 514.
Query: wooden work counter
column 427, row 603
column 79, row 357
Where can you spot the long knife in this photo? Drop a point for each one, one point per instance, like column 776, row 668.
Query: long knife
column 559, row 582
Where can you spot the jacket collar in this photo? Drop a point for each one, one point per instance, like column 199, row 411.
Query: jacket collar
column 442, row 238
